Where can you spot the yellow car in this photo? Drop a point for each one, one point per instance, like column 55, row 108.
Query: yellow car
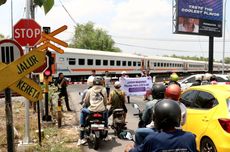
column 208, row 116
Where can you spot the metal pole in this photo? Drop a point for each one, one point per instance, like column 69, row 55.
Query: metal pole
column 224, row 36
column 39, row 124
column 26, row 139
column 9, row 121
column 210, row 58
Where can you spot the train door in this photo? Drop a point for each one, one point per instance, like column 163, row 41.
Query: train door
column 185, row 67
column 142, row 64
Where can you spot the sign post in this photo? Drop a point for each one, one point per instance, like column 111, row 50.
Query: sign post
column 10, row 50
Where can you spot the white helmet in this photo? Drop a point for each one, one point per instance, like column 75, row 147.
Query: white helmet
column 198, row 77
column 207, row 76
column 90, row 81
column 123, row 72
column 117, row 84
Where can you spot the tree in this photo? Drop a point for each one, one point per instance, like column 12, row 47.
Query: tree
column 1, row 37
column 2, row 2
column 88, row 37
column 47, row 4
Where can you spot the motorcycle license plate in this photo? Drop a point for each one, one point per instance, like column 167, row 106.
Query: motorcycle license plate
column 98, row 126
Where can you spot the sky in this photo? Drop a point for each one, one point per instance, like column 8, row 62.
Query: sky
column 137, row 26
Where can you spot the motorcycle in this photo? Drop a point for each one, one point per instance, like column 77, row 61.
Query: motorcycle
column 141, row 123
column 95, row 130
column 118, row 121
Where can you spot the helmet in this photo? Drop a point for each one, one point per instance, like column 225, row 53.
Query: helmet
column 98, row 80
column 123, row 72
column 173, row 91
column 117, row 84
column 174, row 77
column 90, row 81
column 167, row 114
column 158, row 91
column 207, row 76
column 198, row 77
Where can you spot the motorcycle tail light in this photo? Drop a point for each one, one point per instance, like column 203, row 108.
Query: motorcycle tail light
column 97, row 115
column 225, row 124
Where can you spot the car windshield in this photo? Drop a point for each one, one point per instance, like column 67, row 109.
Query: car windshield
column 228, row 104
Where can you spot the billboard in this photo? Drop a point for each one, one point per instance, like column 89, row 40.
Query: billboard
column 200, row 17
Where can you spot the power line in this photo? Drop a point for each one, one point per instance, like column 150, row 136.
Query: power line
column 162, row 49
column 68, row 13
column 158, row 39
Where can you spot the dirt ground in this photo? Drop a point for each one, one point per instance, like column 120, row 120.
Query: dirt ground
column 55, row 139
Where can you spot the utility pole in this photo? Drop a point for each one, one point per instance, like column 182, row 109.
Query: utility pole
column 26, row 139
column 224, row 27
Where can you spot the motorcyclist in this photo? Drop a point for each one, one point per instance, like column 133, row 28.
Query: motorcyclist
column 96, row 101
column 158, row 90
column 117, row 99
column 172, row 92
column 166, row 137
column 174, row 79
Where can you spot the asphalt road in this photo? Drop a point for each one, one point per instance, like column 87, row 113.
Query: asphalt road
column 115, row 144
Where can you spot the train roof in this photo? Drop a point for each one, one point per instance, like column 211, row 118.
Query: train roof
column 98, row 52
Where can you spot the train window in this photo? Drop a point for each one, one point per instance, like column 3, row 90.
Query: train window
column 155, row 64
column 129, row 63
column 167, row 64
column 170, row 64
column 112, row 62
column 118, row 63
column 158, row 64
column 123, row 63
column 61, row 59
column 134, row 63
column 164, row 64
column 98, row 62
column 90, row 61
column 81, row 61
column 139, row 64
column 72, row 61
column 161, row 64
column 105, row 62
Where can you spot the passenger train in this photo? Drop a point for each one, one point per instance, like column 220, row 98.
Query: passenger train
column 77, row 64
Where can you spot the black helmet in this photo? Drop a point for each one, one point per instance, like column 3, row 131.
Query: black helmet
column 158, row 91
column 98, row 80
column 167, row 114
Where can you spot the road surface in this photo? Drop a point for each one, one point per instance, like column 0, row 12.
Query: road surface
column 115, row 144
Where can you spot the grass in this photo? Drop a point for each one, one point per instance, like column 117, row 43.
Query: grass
column 55, row 140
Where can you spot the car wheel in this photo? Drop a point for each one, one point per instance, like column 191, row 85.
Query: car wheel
column 207, row 145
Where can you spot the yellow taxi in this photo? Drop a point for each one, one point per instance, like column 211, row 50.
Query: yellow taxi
column 208, row 116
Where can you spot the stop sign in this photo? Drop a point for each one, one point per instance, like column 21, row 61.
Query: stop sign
column 27, row 32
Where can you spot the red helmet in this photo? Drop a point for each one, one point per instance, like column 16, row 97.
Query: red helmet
column 173, row 92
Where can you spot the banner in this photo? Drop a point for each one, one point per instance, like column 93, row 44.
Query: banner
column 136, row 86
column 201, row 17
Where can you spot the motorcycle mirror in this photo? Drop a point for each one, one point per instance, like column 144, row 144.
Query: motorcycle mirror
column 135, row 106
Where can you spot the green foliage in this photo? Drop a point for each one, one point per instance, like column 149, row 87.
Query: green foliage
column 227, row 60
column 2, row 2
column 39, row 2
column 88, row 37
column 189, row 57
column 2, row 37
column 47, row 4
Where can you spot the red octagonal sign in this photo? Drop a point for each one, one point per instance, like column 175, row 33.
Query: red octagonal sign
column 27, row 32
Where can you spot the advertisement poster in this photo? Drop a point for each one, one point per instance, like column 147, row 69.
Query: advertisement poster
column 136, row 86
column 201, row 17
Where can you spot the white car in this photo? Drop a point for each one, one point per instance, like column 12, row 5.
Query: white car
column 188, row 81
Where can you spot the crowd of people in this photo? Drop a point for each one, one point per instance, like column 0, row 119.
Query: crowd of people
column 163, row 116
